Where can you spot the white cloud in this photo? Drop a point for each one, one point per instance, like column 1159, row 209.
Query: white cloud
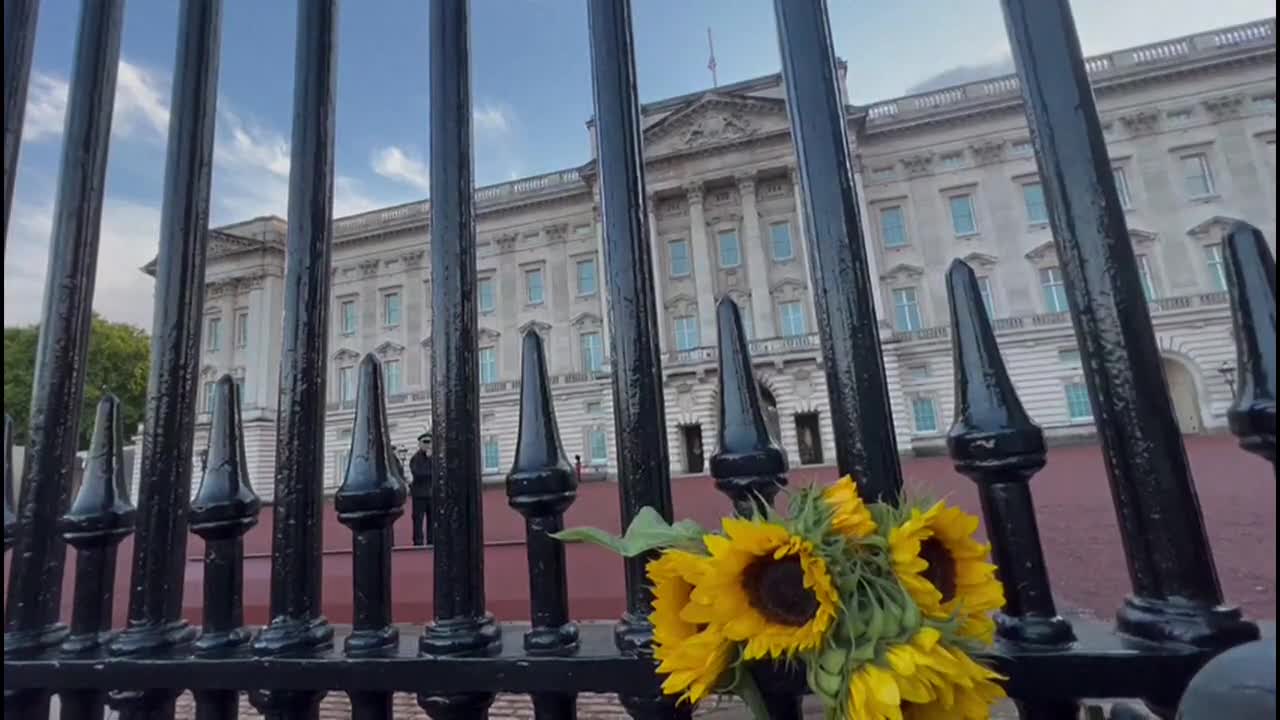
column 492, row 118
column 128, row 239
column 46, row 107
column 395, row 164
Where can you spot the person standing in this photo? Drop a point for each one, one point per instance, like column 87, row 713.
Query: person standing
column 420, row 491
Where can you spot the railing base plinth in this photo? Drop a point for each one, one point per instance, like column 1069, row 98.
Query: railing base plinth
column 287, row 704
column 27, row 643
column 656, row 707
column 368, row 643
column 466, row 636
column 456, row 707
column 26, row 704
column 633, row 635
column 562, row 640
column 288, row 636
column 143, row 704
column 152, row 639
column 1043, row 632
column 1175, row 621
column 222, row 644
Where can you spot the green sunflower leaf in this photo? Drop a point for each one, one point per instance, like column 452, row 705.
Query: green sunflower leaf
column 648, row 531
column 746, row 689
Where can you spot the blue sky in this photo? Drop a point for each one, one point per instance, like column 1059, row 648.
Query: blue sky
column 530, row 83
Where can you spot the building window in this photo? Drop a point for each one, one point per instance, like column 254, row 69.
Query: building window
column 492, row 455
column 595, row 407
column 1196, row 176
column 1122, row 187
column 780, row 237
column 533, row 289
column 792, row 317
column 488, row 366
column 341, row 459
column 592, row 351
column 208, row 397
column 1069, row 357
column 346, row 384
column 391, row 371
column 1020, row 148
column 214, row 341
column 1033, row 198
column 242, row 329
column 1217, row 271
column 347, row 315
column 1078, row 407
column 485, row 295
column 599, row 449
column 1148, row 282
column 925, row 415
column 884, row 174
column 963, row 219
column 893, row 227
column 730, row 250
column 748, row 327
column 686, row 330
column 679, row 252
column 952, row 161
column 391, row 309
column 1055, row 294
column 587, row 277
column 906, row 309
column 988, row 298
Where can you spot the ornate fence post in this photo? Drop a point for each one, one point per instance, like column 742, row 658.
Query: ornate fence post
column 1252, row 285
column 368, row 502
column 1177, row 596
column 19, row 43
column 994, row 442
column 99, row 518
column 223, row 510
column 10, row 517
column 748, row 466
column 36, row 566
column 861, row 414
column 541, row 486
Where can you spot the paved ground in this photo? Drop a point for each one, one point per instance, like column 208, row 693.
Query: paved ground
column 1077, row 524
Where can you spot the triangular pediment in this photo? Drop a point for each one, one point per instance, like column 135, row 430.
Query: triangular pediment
column 1217, row 223
column 977, row 259
column 714, row 119
column 1042, row 251
column 537, row 326
column 346, row 354
column 389, row 349
column 1139, row 236
column 902, row 270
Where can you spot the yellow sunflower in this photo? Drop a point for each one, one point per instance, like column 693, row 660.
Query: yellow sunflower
column 923, row 680
column 693, row 657
column 765, row 587
column 945, row 570
column 850, row 516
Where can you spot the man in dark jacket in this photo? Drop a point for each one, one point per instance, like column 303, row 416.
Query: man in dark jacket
column 420, row 490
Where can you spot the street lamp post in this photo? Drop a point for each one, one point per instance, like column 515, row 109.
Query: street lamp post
column 1228, row 373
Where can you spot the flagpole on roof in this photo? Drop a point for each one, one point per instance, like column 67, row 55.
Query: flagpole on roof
column 711, row 61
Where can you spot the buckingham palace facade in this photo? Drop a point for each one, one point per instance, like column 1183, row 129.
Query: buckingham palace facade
column 950, row 173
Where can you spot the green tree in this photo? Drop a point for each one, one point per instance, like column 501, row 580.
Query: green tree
column 119, row 361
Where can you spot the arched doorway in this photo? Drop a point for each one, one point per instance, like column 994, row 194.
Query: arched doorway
column 769, row 405
column 1182, row 391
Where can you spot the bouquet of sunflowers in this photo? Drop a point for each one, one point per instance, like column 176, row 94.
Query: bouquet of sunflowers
column 884, row 604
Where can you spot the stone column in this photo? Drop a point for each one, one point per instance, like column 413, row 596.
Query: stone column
column 257, row 366
column 659, row 273
column 703, row 270
column 802, row 250
column 868, row 240
column 756, row 259
column 602, row 281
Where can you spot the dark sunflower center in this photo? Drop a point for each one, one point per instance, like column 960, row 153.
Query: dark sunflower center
column 776, row 590
column 942, row 569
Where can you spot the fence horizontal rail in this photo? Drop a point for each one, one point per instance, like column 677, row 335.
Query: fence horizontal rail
column 1101, row 663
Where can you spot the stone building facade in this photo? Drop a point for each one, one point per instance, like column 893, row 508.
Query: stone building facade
column 1190, row 123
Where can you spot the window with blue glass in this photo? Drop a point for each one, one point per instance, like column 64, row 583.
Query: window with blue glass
column 791, row 317
column 533, row 286
column 1055, row 293
column 592, row 346
column 1033, row 198
column 780, row 240
column 391, row 309
column 492, row 454
column 347, row 311
column 485, row 296
column 599, row 443
column 893, row 227
column 730, row 250
column 686, row 332
column 678, row 250
column 964, row 220
column 1078, row 407
column 925, row 415
column 488, row 366
column 1217, row 270
column 587, row 276
column 906, row 309
column 391, row 370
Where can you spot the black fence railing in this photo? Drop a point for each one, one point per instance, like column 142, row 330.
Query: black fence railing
column 1173, row 623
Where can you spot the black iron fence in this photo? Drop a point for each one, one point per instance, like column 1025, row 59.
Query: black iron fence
column 1173, row 623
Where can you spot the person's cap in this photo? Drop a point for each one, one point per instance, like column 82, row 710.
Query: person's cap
column 424, row 437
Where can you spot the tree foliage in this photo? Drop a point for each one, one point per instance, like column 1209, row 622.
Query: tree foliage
column 119, row 361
